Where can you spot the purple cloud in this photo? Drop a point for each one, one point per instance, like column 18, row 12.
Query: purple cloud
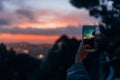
column 25, row 13
column 4, row 22
column 72, row 31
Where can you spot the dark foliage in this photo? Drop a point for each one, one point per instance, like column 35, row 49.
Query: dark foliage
column 17, row 66
column 84, row 3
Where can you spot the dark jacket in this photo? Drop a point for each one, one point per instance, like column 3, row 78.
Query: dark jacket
column 77, row 72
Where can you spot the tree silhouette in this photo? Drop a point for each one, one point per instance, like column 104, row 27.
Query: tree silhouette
column 18, row 66
column 60, row 58
column 84, row 3
column 109, row 12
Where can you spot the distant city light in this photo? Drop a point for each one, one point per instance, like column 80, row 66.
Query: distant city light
column 26, row 51
column 40, row 56
column 8, row 48
column 20, row 50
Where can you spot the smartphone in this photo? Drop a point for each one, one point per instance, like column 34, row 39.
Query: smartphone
column 88, row 34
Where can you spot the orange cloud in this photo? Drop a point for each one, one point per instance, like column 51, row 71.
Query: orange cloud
column 44, row 25
column 27, row 38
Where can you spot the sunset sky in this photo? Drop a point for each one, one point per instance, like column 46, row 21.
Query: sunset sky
column 40, row 21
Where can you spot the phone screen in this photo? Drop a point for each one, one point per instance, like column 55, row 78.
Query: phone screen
column 89, row 36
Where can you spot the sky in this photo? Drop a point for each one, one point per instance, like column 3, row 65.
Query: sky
column 40, row 21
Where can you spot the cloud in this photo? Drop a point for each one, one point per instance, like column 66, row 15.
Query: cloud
column 25, row 13
column 4, row 22
column 1, row 8
column 72, row 31
column 1, row 5
column 29, row 17
column 25, row 18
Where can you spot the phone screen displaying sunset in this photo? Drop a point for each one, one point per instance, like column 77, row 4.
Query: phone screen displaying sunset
column 88, row 33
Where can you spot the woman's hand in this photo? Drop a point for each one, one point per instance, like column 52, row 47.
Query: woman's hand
column 82, row 53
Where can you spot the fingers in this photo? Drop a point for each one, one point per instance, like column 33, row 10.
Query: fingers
column 87, row 46
column 81, row 45
column 84, row 46
column 82, row 53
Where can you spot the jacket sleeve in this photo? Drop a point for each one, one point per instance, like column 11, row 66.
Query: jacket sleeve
column 77, row 72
